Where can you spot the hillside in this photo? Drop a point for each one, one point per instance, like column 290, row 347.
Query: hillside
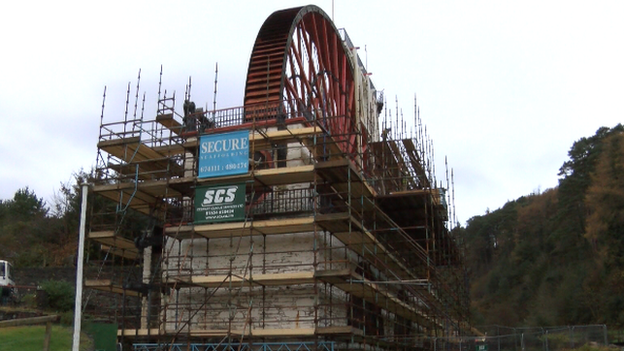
column 557, row 257
column 36, row 234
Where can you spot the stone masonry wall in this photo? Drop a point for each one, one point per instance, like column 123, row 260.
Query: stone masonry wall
column 271, row 307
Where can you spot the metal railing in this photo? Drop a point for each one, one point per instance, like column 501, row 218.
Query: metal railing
column 502, row 338
column 262, row 346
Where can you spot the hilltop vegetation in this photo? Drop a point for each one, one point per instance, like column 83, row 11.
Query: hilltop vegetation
column 557, row 257
column 35, row 235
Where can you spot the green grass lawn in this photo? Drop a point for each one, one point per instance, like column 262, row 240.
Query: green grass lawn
column 31, row 338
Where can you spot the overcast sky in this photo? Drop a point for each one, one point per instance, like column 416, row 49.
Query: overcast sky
column 504, row 87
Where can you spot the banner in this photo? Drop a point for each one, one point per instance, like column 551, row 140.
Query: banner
column 223, row 154
column 220, row 203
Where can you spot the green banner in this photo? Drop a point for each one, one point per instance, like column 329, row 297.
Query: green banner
column 220, row 203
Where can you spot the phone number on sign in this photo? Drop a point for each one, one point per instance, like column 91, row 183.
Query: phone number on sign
column 239, row 165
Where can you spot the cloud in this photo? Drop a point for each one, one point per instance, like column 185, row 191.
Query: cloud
column 504, row 88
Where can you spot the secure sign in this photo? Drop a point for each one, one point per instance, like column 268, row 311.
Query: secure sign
column 223, row 154
column 221, row 203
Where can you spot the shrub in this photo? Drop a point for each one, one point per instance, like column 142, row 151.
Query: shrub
column 67, row 318
column 60, row 295
column 29, row 300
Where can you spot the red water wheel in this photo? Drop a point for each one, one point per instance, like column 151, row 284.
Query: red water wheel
column 299, row 65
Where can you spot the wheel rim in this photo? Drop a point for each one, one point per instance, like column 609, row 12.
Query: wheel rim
column 300, row 63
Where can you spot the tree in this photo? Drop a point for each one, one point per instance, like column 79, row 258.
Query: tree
column 556, row 257
column 576, row 177
column 23, row 226
column 33, row 235
column 25, row 206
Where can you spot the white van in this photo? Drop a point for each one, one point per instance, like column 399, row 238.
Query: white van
column 6, row 280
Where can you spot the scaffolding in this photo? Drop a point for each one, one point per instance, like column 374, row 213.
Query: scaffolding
column 341, row 237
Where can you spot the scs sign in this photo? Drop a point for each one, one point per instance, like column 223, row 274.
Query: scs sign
column 219, row 196
column 222, row 203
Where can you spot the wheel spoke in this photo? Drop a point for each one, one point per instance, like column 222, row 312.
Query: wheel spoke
column 299, row 59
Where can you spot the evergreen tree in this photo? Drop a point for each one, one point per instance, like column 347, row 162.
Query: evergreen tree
column 556, row 258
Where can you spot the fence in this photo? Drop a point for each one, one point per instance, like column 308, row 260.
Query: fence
column 501, row 338
column 263, row 346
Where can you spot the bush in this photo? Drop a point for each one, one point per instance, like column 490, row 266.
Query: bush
column 60, row 295
column 67, row 318
column 29, row 300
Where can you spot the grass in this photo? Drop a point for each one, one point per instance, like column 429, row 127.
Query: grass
column 30, row 338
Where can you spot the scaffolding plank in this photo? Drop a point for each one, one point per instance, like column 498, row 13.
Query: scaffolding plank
column 144, row 194
column 158, row 188
column 109, row 238
column 334, row 170
column 117, row 146
column 287, row 175
column 140, row 191
column 416, row 162
column 337, row 222
column 171, row 123
column 358, row 286
column 236, row 229
column 267, row 139
column 140, row 332
column 126, row 195
column 262, row 177
column 170, row 150
column 359, row 193
column 269, row 279
column 333, row 275
column 343, row 226
column 267, row 333
column 350, row 181
column 403, row 170
column 129, row 254
column 324, row 148
column 396, row 152
column 108, row 286
column 351, row 233
column 385, row 166
column 364, row 243
column 137, row 204
column 129, row 149
column 415, row 198
column 148, row 169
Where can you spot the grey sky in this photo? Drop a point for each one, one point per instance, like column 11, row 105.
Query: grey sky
column 504, row 88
